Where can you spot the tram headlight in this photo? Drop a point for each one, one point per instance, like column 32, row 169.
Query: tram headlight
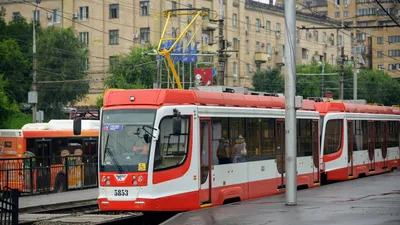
column 107, row 182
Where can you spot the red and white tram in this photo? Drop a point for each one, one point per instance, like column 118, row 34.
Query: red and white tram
column 179, row 150
column 359, row 140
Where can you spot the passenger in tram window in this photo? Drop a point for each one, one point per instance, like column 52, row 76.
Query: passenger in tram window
column 240, row 151
column 223, row 151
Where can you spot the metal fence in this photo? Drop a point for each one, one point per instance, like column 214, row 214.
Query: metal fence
column 36, row 175
column 9, row 206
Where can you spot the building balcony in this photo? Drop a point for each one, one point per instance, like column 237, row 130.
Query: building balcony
column 207, row 25
column 261, row 57
column 206, row 48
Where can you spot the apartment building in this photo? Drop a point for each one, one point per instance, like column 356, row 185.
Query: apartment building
column 378, row 48
column 256, row 30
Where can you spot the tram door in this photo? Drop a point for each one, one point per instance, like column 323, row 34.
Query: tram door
column 384, row 143
column 315, row 151
column 350, row 142
column 205, row 162
column 43, row 176
column 280, row 152
column 90, row 159
column 371, row 145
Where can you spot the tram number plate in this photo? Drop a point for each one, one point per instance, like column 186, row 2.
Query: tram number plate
column 120, row 192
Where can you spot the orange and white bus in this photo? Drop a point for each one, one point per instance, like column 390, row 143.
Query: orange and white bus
column 44, row 157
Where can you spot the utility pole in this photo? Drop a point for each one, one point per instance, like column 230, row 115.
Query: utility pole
column 290, row 112
column 33, row 96
column 342, row 59
column 355, row 77
column 221, row 47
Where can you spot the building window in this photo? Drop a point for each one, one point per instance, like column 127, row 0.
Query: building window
column 247, row 47
column 332, row 59
column 380, row 40
column 394, row 66
column 234, row 18
column 114, row 11
column 380, row 67
column 332, row 39
column 394, row 39
column 235, row 68
column 144, row 35
column 258, row 47
column 173, row 5
column 112, row 61
column 333, row 136
column 345, row 3
column 235, row 44
column 345, row 13
column 36, row 15
column 269, row 49
column 337, row 14
column 246, row 25
column 258, row 25
column 84, row 37
column 15, row 15
column 395, row 53
column 144, row 8
column 83, row 13
column 324, row 37
column 86, row 64
column 56, row 15
column 278, row 30
column 316, row 36
column 114, row 35
column 247, row 70
column 268, row 25
column 380, row 54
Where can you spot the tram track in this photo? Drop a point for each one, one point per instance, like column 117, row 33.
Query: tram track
column 89, row 215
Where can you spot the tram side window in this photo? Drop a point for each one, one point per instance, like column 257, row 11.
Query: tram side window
column 304, row 137
column 237, row 136
column 30, row 145
column 357, row 135
column 220, row 141
column 393, row 139
column 364, row 127
column 268, row 138
column 171, row 150
column 58, row 145
column 378, row 134
column 333, row 136
column 253, row 143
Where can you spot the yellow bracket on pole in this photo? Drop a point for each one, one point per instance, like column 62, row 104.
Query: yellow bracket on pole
column 173, row 13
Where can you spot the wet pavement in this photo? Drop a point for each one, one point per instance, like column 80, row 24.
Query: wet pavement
column 366, row 201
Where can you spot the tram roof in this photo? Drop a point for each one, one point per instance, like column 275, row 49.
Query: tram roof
column 159, row 97
column 326, row 107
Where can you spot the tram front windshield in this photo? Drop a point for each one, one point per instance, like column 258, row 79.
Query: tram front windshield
column 125, row 140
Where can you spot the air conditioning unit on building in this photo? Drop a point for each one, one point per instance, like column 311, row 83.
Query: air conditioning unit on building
column 277, row 34
column 235, row 77
column 135, row 36
column 50, row 24
column 75, row 16
column 49, row 15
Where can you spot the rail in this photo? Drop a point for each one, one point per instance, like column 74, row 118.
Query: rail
column 43, row 175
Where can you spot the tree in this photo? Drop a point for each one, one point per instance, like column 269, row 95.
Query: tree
column 135, row 68
column 378, row 87
column 62, row 63
column 268, row 81
column 15, row 69
column 7, row 106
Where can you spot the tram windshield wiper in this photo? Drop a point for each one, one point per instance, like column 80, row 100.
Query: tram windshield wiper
column 106, row 150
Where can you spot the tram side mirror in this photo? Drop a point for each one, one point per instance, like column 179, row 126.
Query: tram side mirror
column 176, row 125
column 147, row 138
column 77, row 126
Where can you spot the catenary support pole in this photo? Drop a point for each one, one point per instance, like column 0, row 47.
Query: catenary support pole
column 221, row 58
column 290, row 112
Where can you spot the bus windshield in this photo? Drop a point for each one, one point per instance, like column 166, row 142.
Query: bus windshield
column 124, row 147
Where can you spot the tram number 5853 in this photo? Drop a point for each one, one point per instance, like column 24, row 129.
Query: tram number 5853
column 120, row 192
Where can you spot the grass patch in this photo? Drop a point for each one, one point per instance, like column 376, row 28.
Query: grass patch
column 17, row 121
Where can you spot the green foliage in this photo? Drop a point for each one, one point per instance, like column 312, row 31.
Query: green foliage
column 61, row 57
column 17, row 120
column 378, row 87
column 134, row 70
column 7, row 106
column 268, row 81
column 15, row 68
